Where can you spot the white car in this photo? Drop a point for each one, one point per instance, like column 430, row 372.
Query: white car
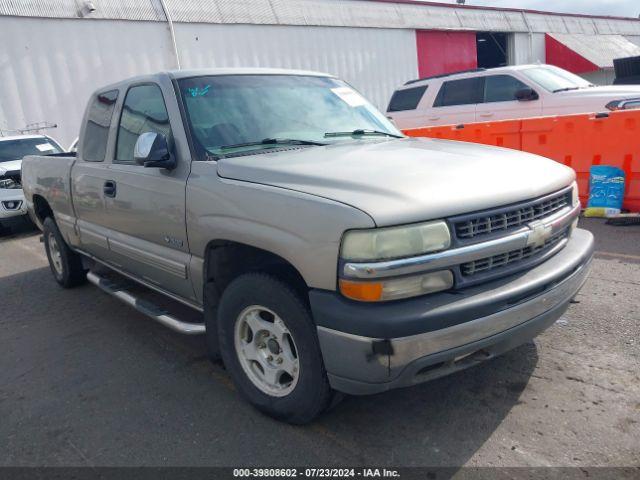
column 12, row 149
column 503, row 93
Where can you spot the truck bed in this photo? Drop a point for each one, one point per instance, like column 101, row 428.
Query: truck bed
column 49, row 176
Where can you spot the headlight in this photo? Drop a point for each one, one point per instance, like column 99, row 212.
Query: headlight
column 394, row 289
column 395, row 242
column 8, row 183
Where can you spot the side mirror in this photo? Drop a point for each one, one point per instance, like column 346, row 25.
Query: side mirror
column 152, row 151
column 526, row 94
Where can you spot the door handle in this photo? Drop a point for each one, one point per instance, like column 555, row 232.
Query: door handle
column 109, row 188
column 485, row 115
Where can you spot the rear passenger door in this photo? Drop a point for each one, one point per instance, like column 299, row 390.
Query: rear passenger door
column 145, row 207
column 500, row 103
column 89, row 172
column 456, row 102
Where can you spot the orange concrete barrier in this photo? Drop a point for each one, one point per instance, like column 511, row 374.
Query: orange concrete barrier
column 577, row 141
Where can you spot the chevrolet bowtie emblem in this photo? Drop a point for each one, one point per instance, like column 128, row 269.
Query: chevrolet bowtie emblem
column 539, row 234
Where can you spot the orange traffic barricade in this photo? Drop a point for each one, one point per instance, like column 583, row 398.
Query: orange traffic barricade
column 578, row 141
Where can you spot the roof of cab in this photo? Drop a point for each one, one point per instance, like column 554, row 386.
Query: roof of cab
column 203, row 72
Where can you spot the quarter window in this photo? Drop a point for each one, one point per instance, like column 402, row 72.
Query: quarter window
column 459, row 92
column 143, row 111
column 407, row 99
column 501, row 88
column 96, row 132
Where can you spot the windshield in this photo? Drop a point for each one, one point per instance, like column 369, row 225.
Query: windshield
column 231, row 110
column 19, row 147
column 555, row 79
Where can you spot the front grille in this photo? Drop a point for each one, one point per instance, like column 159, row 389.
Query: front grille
column 490, row 264
column 509, row 218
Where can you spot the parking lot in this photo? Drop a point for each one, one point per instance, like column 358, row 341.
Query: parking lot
column 87, row 381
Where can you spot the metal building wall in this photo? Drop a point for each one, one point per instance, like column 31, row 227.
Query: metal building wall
column 338, row 13
column 634, row 39
column 526, row 48
column 442, row 52
column 373, row 60
column 49, row 67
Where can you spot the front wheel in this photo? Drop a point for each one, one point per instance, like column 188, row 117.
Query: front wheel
column 66, row 265
column 270, row 347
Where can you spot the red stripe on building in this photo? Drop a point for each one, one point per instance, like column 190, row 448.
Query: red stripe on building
column 562, row 56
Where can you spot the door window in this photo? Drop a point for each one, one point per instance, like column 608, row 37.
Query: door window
column 96, row 132
column 459, row 92
column 501, row 88
column 143, row 111
column 407, row 99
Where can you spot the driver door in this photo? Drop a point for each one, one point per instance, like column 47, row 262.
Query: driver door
column 145, row 207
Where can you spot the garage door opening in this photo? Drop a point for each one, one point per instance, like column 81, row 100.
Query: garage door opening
column 492, row 49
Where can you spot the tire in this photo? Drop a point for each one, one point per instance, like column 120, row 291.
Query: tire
column 263, row 298
column 65, row 264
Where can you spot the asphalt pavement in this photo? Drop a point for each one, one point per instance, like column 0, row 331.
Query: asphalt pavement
column 87, row 381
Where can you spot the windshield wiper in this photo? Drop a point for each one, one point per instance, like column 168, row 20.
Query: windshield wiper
column 272, row 141
column 360, row 132
column 566, row 89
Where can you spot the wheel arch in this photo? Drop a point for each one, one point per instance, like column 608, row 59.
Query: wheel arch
column 226, row 260
column 41, row 209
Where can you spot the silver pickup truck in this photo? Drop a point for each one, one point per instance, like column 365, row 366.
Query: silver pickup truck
column 322, row 250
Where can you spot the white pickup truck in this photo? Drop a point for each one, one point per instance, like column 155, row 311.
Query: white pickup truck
column 325, row 251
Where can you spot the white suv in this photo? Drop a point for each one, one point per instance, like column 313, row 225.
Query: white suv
column 503, row 93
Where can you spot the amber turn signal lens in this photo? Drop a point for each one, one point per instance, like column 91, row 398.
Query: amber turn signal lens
column 362, row 291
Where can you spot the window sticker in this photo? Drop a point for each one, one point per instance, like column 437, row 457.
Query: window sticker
column 43, row 147
column 349, row 96
column 198, row 92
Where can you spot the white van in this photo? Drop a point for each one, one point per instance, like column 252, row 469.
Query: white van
column 503, row 93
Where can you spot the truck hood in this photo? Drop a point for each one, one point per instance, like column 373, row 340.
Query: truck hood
column 10, row 166
column 405, row 180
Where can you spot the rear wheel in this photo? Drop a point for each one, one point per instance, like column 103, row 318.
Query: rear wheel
column 65, row 264
column 269, row 345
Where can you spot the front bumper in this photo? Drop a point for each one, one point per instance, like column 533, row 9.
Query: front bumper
column 12, row 203
column 372, row 348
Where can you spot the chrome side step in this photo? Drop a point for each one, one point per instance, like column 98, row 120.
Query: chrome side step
column 147, row 308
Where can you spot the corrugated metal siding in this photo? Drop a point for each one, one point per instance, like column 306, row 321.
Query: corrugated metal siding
column 339, row 13
column 601, row 77
column 445, row 52
column 105, row 9
column 374, row 61
column 598, row 49
column 49, row 69
column 413, row 16
column 524, row 48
